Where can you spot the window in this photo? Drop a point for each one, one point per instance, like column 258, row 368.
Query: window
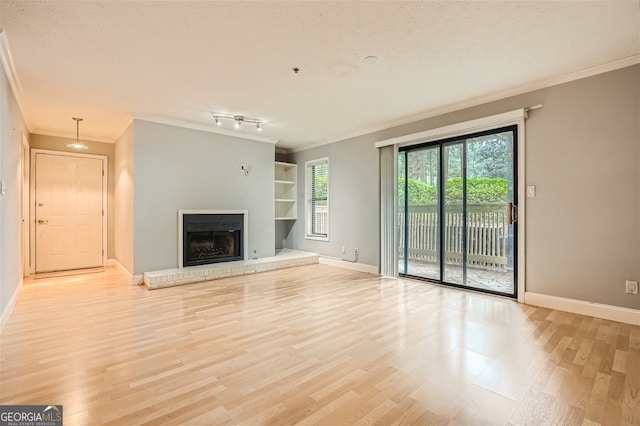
column 317, row 199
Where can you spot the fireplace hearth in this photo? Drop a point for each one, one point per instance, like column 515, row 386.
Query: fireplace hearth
column 212, row 238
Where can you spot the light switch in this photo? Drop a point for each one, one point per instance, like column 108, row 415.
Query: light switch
column 531, row 191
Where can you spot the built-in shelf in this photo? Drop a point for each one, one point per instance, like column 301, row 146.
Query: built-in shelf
column 286, row 175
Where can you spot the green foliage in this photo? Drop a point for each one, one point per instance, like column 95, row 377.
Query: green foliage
column 420, row 193
column 479, row 191
column 489, row 156
column 320, row 181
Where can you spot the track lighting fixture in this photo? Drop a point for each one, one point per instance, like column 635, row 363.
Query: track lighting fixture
column 238, row 120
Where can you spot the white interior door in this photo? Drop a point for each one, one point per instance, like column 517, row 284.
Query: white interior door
column 68, row 212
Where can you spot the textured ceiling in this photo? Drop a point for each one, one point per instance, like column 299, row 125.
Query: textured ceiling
column 106, row 61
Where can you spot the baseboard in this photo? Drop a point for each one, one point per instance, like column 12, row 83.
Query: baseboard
column 362, row 267
column 135, row 279
column 6, row 313
column 598, row 310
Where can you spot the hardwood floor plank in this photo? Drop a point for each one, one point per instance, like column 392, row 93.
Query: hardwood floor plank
column 311, row 345
column 631, row 398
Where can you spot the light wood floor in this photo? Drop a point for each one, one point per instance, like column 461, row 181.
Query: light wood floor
column 311, row 345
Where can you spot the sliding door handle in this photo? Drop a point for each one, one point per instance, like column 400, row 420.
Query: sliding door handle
column 513, row 213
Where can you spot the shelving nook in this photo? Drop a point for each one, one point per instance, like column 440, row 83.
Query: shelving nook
column 285, row 191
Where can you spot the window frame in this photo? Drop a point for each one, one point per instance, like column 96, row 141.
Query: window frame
column 308, row 193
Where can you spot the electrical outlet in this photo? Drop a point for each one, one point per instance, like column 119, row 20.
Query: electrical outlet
column 632, row 287
column 343, row 250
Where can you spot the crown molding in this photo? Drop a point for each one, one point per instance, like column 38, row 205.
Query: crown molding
column 201, row 127
column 529, row 87
column 12, row 77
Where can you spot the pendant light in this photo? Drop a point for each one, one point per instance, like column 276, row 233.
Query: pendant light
column 77, row 144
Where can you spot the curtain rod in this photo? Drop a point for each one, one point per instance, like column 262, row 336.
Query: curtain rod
column 531, row 108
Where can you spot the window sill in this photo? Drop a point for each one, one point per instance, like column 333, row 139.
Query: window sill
column 316, row 237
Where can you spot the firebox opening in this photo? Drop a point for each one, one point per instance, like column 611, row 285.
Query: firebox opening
column 212, row 245
column 212, row 238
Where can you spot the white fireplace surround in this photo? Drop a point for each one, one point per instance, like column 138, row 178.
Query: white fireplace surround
column 245, row 230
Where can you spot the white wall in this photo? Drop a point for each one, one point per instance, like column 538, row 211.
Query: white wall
column 179, row 168
column 12, row 128
column 582, row 153
column 124, row 199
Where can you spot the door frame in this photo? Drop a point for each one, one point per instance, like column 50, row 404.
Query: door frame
column 516, row 117
column 462, row 141
column 32, row 214
column 26, row 189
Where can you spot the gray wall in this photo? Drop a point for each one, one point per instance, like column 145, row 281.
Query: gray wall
column 354, row 218
column 54, row 143
column 583, row 155
column 283, row 233
column 12, row 128
column 123, row 199
column 179, row 168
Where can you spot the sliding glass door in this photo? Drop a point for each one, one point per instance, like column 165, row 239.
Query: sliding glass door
column 457, row 211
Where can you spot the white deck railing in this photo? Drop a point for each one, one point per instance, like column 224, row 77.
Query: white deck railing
column 487, row 228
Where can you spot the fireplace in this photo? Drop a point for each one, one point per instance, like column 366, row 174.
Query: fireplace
column 208, row 237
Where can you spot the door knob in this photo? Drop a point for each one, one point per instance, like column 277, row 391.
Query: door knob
column 42, row 222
